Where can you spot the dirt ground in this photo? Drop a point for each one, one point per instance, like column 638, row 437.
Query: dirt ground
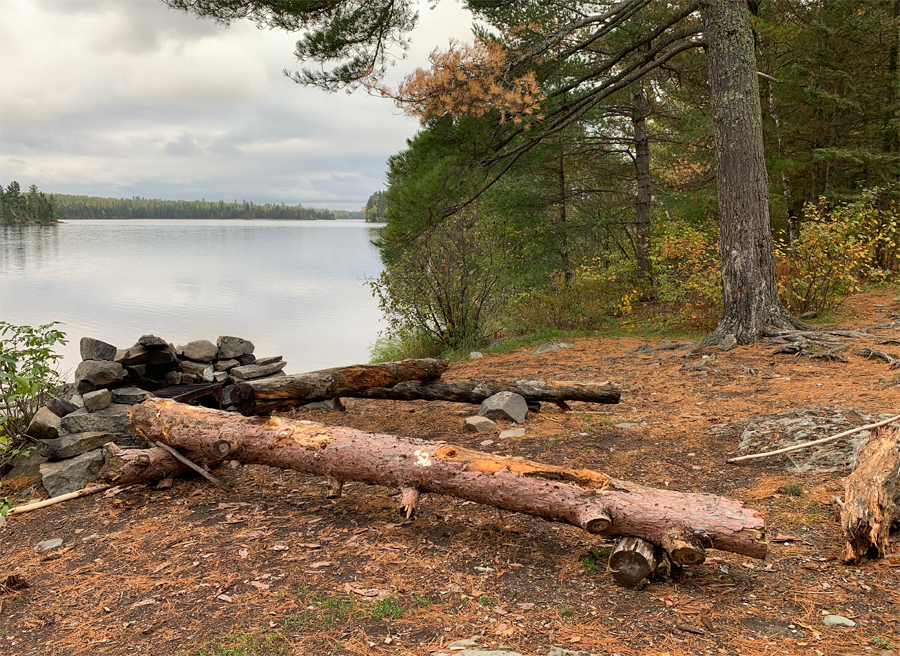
column 276, row 568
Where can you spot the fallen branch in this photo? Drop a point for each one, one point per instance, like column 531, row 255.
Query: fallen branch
column 806, row 445
column 18, row 510
column 687, row 523
column 222, row 485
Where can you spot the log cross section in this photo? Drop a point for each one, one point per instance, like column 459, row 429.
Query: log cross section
column 581, row 497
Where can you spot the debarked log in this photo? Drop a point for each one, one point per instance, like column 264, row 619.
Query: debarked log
column 582, row 497
column 284, row 392
column 476, row 391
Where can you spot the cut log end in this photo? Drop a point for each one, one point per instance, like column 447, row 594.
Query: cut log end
column 409, row 501
column 633, row 561
column 684, row 549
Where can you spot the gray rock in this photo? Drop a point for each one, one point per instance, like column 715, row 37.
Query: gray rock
column 627, row 424
column 251, row 371
column 77, row 401
column 559, row 651
column 551, row 347
column 44, row 425
column 137, row 372
column 332, row 405
column 47, row 545
column 162, row 356
column 480, row 425
column 193, row 368
column 73, row 474
column 220, row 376
column 837, row 620
column 201, row 350
column 465, row 643
column 208, row 375
column 488, row 652
column 100, row 372
column 74, row 444
column 269, row 360
column 173, row 378
column 534, row 406
column 505, row 405
column 133, row 355
column 152, row 342
column 728, row 342
column 486, row 442
column 28, row 466
column 474, row 355
column 809, row 315
column 94, row 349
column 225, row 365
column 247, row 358
column 514, row 432
column 233, row 347
column 61, row 407
column 94, row 401
column 129, row 395
column 226, row 395
column 113, row 419
column 188, row 379
column 84, row 386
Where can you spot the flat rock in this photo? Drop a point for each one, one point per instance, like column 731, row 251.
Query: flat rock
column 133, row 355
column 201, row 350
column 627, row 424
column 193, row 368
column 129, row 395
column 488, row 652
column 247, row 358
column 73, row 474
column 513, row 432
column 44, row 425
column 269, row 360
column 474, row 355
column 480, row 425
column 152, row 342
column 225, row 365
column 332, row 405
column 47, row 545
column 559, row 651
column 74, row 444
column 98, row 400
column 100, row 372
column 505, row 405
column 220, row 376
column 838, row 620
column 251, row 371
column 233, row 347
column 61, row 407
column 486, row 442
column 465, row 643
column 94, row 349
column 551, row 347
column 113, row 419
column 28, row 466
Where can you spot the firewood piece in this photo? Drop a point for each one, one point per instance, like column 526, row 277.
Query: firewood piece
column 284, row 392
column 872, row 497
column 197, row 468
column 243, row 398
column 633, row 561
column 581, row 497
column 409, row 500
column 476, row 391
column 683, row 549
column 335, row 486
column 18, row 510
column 125, row 466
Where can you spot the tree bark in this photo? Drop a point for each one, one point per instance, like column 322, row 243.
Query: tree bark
column 872, row 497
column 639, row 105
column 476, row 391
column 750, row 300
column 581, row 497
column 284, row 392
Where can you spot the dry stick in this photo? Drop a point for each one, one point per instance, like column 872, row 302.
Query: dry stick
column 814, row 442
column 63, row 497
column 197, row 468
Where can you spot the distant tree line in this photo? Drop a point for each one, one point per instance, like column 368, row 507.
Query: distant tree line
column 92, row 207
column 375, row 208
column 31, row 207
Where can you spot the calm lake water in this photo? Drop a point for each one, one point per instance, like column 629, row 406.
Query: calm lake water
column 293, row 288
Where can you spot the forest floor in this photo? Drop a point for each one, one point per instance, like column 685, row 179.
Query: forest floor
column 276, row 568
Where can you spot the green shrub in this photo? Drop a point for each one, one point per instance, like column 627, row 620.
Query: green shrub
column 28, row 380
column 687, row 276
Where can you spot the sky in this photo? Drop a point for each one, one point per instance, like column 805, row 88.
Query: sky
column 123, row 98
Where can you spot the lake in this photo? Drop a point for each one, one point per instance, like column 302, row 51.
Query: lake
column 294, row 288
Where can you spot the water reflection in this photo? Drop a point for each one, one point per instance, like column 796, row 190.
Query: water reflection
column 294, row 288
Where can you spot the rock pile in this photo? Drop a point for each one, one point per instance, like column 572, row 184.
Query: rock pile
column 70, row 434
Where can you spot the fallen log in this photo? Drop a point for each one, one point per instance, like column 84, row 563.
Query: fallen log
column 581, row 497
column 872, row 497
column 633, row 561
column 476, row 391
column 284, row 392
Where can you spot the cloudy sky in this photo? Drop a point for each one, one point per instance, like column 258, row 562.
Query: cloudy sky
column 127, row 98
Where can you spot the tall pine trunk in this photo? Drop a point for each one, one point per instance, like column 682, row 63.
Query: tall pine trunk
column 750, row 300
column 639, row 105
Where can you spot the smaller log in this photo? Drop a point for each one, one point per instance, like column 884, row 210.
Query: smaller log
column 683, row 548
column 124, row 466
column 872, row 497
column 476, row 391
column 633, row 561
column 409, row 500
column 243, row 398
column 335, row 487
column 222, row 485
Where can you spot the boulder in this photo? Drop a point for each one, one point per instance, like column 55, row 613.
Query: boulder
column 61, row 407
column 113, row 419
column 480, row 425
column 250, row 371
column 193, row 368
column 28, row 466
column 505, row 405
column 137, row 372
column 94, row 401
column 264, row 361
column 94, row 349
column 173, row 378
column 69, row 446
column 225, row 365
column 129, row 395
column 201, row 350
column 44, row 425
column 551, row 347
column 73, row 474
column 233, row 347
column 247, row 358
column 162, row 356
column 152, row 342
column 99, row 373
column 134, row 355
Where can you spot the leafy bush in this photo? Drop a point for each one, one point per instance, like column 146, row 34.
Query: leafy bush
column 687, row 276
column 28, row 380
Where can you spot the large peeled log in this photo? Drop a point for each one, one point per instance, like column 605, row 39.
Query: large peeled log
column 581, row 497
column 476, row 391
